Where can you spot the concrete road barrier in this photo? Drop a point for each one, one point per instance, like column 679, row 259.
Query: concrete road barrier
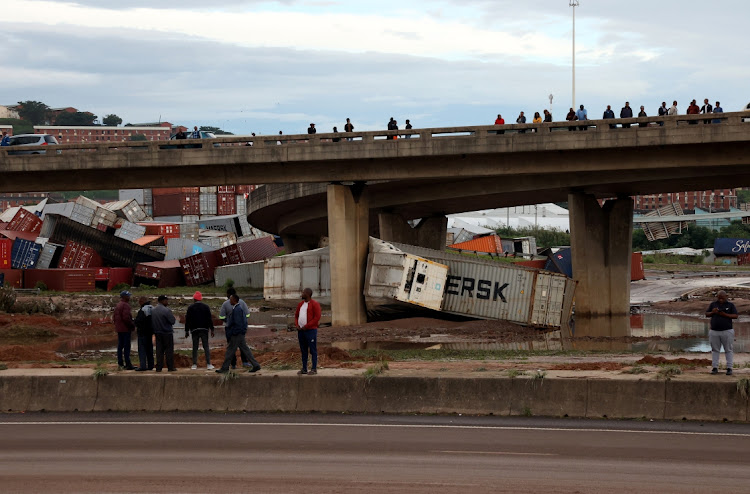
column 697, row 399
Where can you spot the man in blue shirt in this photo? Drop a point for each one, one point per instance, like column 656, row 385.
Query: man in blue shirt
column 236, row 328
column 582, row 115
column 722, row 313
column 717, row 109
column 5, row 140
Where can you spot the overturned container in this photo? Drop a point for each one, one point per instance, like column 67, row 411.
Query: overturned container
column 285, row 277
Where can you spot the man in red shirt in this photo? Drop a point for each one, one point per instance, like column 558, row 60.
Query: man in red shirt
column 500, row 121
column 306, row 318
column 124, row 326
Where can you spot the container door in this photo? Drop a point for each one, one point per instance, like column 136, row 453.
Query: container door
column 424, row 283
column 549, row 295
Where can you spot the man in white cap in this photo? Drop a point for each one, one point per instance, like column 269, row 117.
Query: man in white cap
column 199, row 321
column 124, row 326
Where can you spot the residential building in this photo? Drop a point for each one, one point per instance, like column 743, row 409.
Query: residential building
column 88, row 134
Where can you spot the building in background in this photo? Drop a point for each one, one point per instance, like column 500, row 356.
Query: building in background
column 709, row 200
column 8, row 111
column 92, row 134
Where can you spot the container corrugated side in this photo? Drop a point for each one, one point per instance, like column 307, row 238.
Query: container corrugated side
column 50, row 256
column 245, row 275
column 82, row 214
column 25, row 221
column 285, row 277
column 199, row 269
column 127, row 209
column 208, row 190
column 180, row 248
column 135, row 194
column 63, row 209
column 222, row 224
column 24, row 254
column 64, row 280
column 162, row 274
column 636, row 267
column 208, row 204
column 168, row 205
column 12, row 277
column 130, row 231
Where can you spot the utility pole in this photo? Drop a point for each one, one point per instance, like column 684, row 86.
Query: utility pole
column 574, row 4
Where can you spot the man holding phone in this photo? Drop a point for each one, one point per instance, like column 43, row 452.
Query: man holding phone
column 721, row 312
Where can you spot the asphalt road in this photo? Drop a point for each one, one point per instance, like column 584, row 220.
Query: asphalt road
column 203, row 453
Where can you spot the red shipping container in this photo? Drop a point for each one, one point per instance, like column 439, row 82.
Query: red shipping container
column 63, row 280
column 168, row 205
column 24, row 221
column 226, row 204
column 190, row 190
column 166, row 230
column 636, row 267
column 162, row 274
column 166, row 191
column 77, row 256
column 191, row 204
column 114, row 276
column 229, row 255
column 12, row 277
column 6, row 246
column 258, row 249
column 199, row 269
column 245, row 189
column 226, row 188
column 532, row 264
column 102, row 274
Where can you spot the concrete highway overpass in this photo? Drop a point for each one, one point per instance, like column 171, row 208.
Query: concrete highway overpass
column 428, row 172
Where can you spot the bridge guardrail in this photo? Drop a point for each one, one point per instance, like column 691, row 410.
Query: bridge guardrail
column 410, row 136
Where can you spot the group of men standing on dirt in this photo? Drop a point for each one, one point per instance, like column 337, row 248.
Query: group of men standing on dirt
column 157, row 323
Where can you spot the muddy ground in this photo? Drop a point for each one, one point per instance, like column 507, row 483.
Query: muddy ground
column 80, row 332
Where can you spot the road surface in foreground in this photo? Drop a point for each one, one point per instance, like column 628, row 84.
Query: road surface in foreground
column 204, row 453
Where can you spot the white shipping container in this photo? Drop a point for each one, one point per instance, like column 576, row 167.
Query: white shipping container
column 217, row 239
column 89, row 203
column 130, row 231
column 241, row 205
column 132, row 194
column 246, row 275
column 82, row 214
column 103, row 216
column 148, row 198
column 497, row 290
column 284, row 277
column 394, row 276
column 63, row 209
column 190, row 218
column 180, row 248
column 47, row 255
column 127, row 209
column 208, row 204
column 208, row 190
column 189, row 230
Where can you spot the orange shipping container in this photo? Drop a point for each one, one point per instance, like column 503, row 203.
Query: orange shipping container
column 636, row 267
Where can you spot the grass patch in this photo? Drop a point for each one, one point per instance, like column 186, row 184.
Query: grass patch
column 538, row 375
column 3, row 366
column 227, row 377
column 26, row 332
column 743, row 387
column 376, row 370
column 526, row 412
column 443, row 369
column 100, row 372
column 669, row 371
column 513, row 373
column 480, row 369
column 636, row 369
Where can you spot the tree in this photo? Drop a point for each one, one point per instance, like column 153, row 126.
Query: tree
column 112, row 120
column 35, row 112
column 78, row 118
column 215, row 130
column 138, row 137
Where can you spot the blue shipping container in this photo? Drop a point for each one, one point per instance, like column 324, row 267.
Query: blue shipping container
column 24, row 254
column 731, row 246
column 561, row 262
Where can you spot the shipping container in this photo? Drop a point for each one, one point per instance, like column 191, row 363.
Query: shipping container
column 166, row 230
column 9, row 234
column 394, row 278
column 731, row 246
column 148, row 200
column 127, row 209
column 108, row 278
column 223, row 189
column 11, row 278
column 561, row 262
column 161, row 274
column 229, row 255
column 189, row 230
column 6, row 249
column 249, row 251
column 24, row 254
column 117, row 251
column 130, row 231
column 496, row 290
column 245, row 275
column 241, row 205
column 231, row 223
column 208, row 190
column 636, row 267
column 136, row 195
column 226, row 204
column 77, row 256
column 81, row 214
column 191, row 204
column 25, row 221
column 103, row 217
column 216, row 239
column 190, row 218
column 533, row 264
column 191, row 190
column 166, row 191
column 168, row 205
column 168, row 219
column 62, row 280
column 285, row 277
column 49, row 258
column 180, row 248
column 208, row 204
column 199, row 269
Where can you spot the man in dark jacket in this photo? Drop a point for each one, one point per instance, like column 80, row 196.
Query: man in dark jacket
column 706, row 108
column 198, row 321
column 236, row 328
column 124, row 326
column 626, row 112
column 608, row 113
column 571, row 117
column 641, row 114
column 163, row 321
column 145, row 335
column 663, row 112
column 307, row 318
column 722, row 313
column 311, row 129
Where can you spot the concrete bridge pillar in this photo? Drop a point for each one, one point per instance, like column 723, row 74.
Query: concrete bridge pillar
column 348, row 225
column 601, row 239
column 430, row 232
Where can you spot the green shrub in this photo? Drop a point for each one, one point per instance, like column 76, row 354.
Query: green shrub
column 41, row 286
column 121, row 287
column 7, row 298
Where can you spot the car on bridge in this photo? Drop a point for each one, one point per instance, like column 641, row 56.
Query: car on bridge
column 189, row 136
column 31, row 144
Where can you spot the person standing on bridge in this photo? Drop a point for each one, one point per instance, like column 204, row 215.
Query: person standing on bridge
column 722, row 313
column 163, row 321
column 348, row 128
column 196, row 133
column 500, row 121
column 521, row 120
column 706, row 109
column 641, row 114
column 571, row 117
column 312, row 129
column 124, row 326
column 626, row 112
column 582, row 114
column 236, row 329
column 408, row 127
column 693, row 109
column 392, row 125
column 717, row 109
column 307, row 318
column 608, row 113
column 5, row 141
column 673, row 111
column 547, row 116
column 663, row 112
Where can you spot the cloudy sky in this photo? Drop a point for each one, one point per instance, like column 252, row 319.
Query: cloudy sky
column 260, row 66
